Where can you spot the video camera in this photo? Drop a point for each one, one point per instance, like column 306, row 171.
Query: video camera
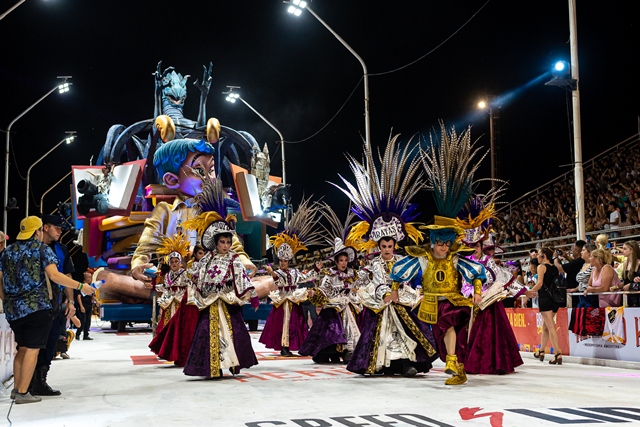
column 91, row 198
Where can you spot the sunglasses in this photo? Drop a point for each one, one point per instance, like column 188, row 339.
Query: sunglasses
column 441, row 243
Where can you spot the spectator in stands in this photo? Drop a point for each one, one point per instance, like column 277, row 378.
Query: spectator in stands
column 582, row 279
column 603, row 279
column 614, row 219
column 570, row 266
column 631, row 271
column 602, row 243
column 547, row 272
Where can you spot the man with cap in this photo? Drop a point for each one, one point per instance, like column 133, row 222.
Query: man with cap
column 51, row 232
column 26, row 293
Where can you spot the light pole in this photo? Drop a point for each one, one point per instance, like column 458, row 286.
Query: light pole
column 569, row 82
column 11, row 9
column 51, row 188
column 62, row 88
column 295, row 8
column 488, row 106
column 232, row 96
column 70, row 137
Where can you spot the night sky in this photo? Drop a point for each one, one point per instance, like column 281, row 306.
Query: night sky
column 295, row 73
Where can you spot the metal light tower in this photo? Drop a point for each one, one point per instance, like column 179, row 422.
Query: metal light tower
column 68, row 139
column 232, row 96
column 295, row 8
column 62, row 88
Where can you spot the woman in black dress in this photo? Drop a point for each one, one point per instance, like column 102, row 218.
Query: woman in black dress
column 548, row 307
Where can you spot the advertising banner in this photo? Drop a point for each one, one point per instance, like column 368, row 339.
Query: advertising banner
column 527, row 327
column 620, row 337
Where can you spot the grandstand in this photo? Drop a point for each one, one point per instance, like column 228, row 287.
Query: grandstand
column 546, row 215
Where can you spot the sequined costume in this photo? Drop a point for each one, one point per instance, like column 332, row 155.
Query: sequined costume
column 442, row 305
column 392, row 336
column 493, row 348
column 286, row 327
column 335, row 332
column 173, row 289
column 221, row 340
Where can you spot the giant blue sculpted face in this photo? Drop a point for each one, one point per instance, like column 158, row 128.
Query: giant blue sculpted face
column 175, row 89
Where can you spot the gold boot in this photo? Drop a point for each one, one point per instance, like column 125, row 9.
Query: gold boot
column 459, row 379
column 452, row 365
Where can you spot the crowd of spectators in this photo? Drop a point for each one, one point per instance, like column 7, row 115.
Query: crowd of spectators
column 611, row 190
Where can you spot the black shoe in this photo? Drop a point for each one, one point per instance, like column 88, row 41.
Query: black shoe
column 321, row 359
column 87, row 337
column 334, row 359
column 285, row 352
column 39, row 386
column 346, row 356
column 410, row 372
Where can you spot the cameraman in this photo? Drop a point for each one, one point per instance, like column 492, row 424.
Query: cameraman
column 570, row 267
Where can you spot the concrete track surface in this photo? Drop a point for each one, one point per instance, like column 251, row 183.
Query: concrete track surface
column 115, row 380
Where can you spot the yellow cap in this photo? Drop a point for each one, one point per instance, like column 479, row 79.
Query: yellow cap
column 28, row 226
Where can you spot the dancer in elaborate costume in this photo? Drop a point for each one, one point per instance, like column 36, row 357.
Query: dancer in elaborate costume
column 335, row 331
column 286, row 329
column 175, row 282
column 221, row 286
column 492, row 345
column 449, row 172
column 393, row 340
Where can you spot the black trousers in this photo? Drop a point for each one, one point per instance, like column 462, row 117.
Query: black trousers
column 85, row 318
column 45, row 355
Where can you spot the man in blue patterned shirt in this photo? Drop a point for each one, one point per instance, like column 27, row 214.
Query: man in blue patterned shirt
column 24, row 291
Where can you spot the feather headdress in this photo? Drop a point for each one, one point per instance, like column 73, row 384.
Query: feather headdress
column 450, row 164
column 301, row 231
column 337, row 233
column 382, row 195
column 478, row 215
column 176, row 246
column 212, row 218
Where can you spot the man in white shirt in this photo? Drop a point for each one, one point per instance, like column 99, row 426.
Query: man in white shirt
column 614, row 219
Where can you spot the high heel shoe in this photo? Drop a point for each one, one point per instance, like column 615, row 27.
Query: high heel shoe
column 539, row 354
column 557, row 359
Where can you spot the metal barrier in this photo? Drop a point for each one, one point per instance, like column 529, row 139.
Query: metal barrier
column 623, row 293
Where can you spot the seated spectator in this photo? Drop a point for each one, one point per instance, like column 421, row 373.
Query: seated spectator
column 631, row 271
column 603, row 279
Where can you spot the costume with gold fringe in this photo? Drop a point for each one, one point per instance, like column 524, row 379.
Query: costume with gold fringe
column 175, row 283
column 449, row 166
column 392, row 339
column 221, row 286
column 286, row 327
column 492, row 345
column 335, row 332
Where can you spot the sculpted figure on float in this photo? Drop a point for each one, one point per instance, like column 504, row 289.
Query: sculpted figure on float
column 179, row 149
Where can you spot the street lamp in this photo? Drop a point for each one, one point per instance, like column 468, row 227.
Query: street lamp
column 569, row 82
column 62, row 88
column 488, row 105
column 11, row 9
column 70, row 137
column 232, row 97
column 49, row 189
column 295, row 8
